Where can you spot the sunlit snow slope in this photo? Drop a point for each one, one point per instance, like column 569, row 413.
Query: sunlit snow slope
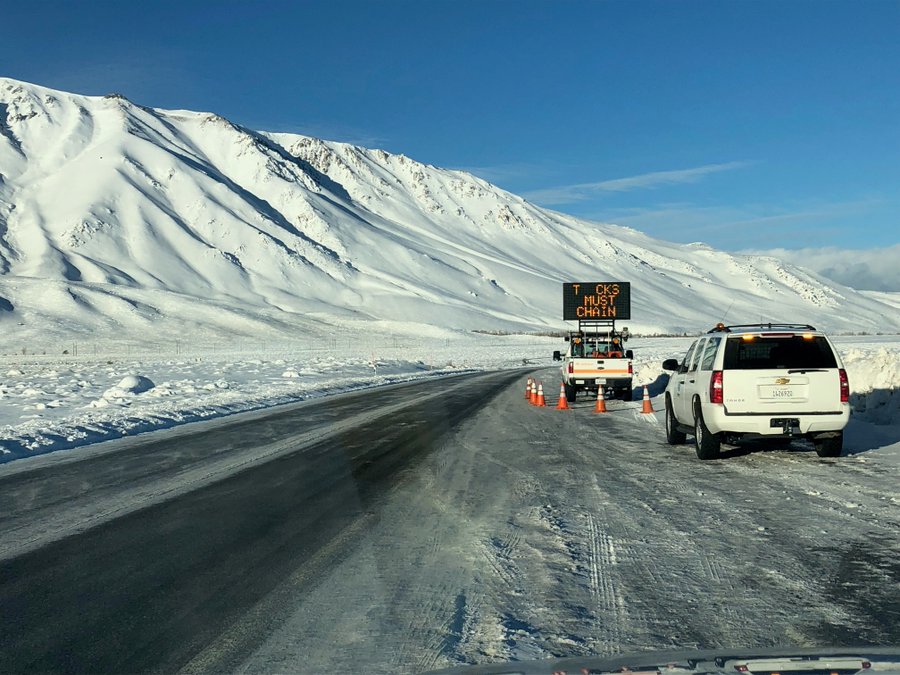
column 122, row 220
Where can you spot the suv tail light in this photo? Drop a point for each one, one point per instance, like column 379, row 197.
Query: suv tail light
column 716, row 389
column 571, row 367
column 845, row 386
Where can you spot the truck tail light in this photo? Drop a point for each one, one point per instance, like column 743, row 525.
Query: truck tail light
column 845, row 386
column 716, row 388
column 571, row 367
column 630, row 369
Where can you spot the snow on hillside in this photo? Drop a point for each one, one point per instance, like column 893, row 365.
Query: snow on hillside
column 118, row 220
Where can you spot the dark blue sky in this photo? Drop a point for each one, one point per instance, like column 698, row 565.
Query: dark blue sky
column 742, row 124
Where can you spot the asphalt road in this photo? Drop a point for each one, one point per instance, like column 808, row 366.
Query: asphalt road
column 437, row 524
column 163, row 570
column 539, row 533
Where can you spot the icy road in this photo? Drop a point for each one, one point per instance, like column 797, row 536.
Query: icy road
column 431, row 524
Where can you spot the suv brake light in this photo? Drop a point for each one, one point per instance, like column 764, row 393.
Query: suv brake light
column 845, row 386
column 716, row 388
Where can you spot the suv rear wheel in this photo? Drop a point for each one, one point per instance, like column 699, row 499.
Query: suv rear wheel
column 673, row 436
column 706, row 443
column 831, row 446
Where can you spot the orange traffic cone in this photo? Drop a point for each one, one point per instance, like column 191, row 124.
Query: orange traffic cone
column 562, row 403
column 528, row 389
column 541, row 403
column 533, row 398
column 647, row 407
column 601, row 401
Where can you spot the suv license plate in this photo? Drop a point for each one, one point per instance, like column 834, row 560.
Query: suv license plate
column 784, row 422
column 782, row 393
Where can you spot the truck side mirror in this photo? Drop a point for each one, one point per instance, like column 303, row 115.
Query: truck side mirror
column 629, row 354
column 557, row 356
column 670, row 364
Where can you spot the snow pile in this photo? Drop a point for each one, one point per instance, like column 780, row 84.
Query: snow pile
column 122, row 394
column 874, row 374
column 134, row 384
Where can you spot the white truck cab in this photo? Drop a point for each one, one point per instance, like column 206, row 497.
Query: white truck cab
column 765, row 380
column 596, row 358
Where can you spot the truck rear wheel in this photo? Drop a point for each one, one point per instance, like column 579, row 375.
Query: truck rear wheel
column 570, row 392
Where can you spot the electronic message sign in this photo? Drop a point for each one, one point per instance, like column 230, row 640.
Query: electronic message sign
column 597, row 300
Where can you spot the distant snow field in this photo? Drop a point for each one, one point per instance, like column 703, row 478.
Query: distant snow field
column 59, row 402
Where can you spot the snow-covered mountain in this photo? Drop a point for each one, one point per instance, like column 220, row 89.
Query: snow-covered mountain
column 121, row 219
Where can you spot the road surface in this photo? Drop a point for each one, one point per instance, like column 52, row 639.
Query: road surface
column 434, row 524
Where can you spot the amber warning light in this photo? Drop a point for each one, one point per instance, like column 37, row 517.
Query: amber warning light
column 597, row 300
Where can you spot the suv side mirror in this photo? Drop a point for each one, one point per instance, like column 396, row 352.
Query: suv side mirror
column 557, row 356
column 670, row 364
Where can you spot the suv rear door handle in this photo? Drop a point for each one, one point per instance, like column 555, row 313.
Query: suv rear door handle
column 692, row 381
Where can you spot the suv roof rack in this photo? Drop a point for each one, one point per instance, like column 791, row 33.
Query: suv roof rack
column 722, row 328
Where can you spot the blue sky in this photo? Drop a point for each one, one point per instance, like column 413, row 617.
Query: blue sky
column 747, row 125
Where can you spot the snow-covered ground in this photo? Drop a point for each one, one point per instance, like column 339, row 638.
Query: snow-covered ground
column 57, row 402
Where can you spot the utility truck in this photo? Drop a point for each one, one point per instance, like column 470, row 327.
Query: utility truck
column 595, row 357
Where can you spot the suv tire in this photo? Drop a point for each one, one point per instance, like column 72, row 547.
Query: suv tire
column 673, row 436
column 706, row 443
column 831, row 446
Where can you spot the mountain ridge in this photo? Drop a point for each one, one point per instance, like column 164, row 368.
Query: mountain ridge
column 129, row 212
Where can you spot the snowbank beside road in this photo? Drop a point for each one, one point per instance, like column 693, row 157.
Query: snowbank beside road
column 52, row 403
column 873, row 368
column 874, row 376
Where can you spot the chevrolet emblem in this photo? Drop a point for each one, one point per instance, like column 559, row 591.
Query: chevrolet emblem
column 782, row 380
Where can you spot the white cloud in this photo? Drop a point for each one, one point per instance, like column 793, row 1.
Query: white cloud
column 567, row 194
column 876, row 269
column 755, row 225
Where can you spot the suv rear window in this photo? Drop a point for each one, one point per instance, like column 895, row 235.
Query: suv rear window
column 778, row 352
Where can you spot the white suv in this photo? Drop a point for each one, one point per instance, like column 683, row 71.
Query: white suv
column 763, row 380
